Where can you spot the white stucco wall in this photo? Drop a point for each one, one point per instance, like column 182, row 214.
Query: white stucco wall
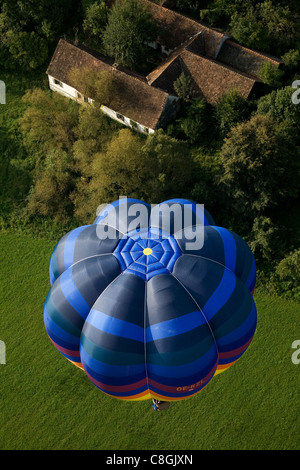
column 113, row 114
column 72, row 93
column 165, row 50
column 65, row 90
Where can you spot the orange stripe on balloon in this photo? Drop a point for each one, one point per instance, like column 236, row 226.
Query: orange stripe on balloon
column 77, row 364
column 224, row 366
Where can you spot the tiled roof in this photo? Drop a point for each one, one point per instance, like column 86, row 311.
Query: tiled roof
column 210, row 78
column 176, row 28
column 138, row 101
column 244, row 59
column 214, row 79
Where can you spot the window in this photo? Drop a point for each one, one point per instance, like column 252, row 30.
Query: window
column 133, row 124
column 86, row 100
column 79, row 95
column 146, row 130
column 57, row 82
column 119, row 116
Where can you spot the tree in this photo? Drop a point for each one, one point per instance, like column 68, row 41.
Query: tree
column 103, row 87
column 95, row 19
column 248, row 30
column 260, row 167
column 28, row 31
column 291, row 59
column 195, row 123
column 265, row 243
column 220, row 12
column 47, row 127
column 231, row 109
column 153, row 170
column 183, row 87
column 93, row 132
column 170, row 167
column 266, row 26
column 278, row 105
column 130, row 27
column 27, row 49
column 287, row 275
column 117, row 170
column 48, row 122
column 53, row 183
column 271, row 75
column 205, row 188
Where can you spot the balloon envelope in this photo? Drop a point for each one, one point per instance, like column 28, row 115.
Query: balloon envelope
column 144, row 313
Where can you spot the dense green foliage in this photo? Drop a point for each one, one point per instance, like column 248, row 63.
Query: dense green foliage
column 60, row 160
column 29, row 32
column 130, row 27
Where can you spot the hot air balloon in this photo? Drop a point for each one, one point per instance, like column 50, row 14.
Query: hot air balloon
column 144, row 313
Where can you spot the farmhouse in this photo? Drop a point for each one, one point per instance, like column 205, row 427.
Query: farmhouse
column 140, row 106
column 214, row 63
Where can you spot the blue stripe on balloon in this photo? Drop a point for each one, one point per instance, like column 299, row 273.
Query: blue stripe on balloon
column 66, row 339
column 71, row 358
column 70, row 245
column 250, row 283
column 58, row 341
column 240, row 342
column 229, row 360
column 114, row 380
column 180, row 325
column 114, row 326
column 72, row 294
column 197, row 375
column 193, row 206
column 221, row 295
column 142, row 275
column 60, row 319
column 240, row 331
column 229, row 247
column 187, row 380
column 116, row 203
column 51, row 275
column 124, row 329
column 53, row 268
column 155, row 273
column 184, row 370
column 109, row 369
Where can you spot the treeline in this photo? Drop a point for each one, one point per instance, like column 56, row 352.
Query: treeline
column 29, row 31
column 243, row 167
column 271, row 26
column 60, row 160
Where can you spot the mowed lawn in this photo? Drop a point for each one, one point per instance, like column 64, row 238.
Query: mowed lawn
column 47, row 403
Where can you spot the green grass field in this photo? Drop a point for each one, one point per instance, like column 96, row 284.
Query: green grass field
column 47, row 403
